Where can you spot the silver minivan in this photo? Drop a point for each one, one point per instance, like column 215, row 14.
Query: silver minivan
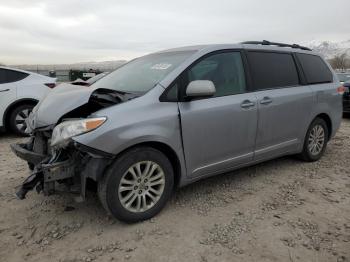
column 170, row 118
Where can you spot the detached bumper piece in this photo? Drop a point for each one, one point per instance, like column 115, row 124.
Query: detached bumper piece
column 71, row 167
column 48, row 169
column 29, row 184
column 24, row 152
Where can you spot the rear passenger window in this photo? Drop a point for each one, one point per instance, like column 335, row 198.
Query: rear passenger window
column 225, row 70
column 9, row 76
column 315, row 69
column 272, row 70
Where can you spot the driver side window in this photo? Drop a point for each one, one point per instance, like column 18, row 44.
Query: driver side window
column 225, row 70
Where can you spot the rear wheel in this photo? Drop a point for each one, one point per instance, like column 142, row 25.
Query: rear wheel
column 315, row 141
column 138, row 184
column 17, row 119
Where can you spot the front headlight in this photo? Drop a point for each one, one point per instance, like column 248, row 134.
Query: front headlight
column 68, row 129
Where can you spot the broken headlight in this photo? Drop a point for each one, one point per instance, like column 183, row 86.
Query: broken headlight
column 68, row 129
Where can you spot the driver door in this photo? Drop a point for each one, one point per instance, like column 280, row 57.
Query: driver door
column 218, row 132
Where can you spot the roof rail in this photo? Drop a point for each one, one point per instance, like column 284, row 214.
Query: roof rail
column 265, row 42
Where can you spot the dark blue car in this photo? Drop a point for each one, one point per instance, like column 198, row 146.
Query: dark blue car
column 346, row 97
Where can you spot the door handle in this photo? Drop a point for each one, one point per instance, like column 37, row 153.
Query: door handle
column 247, row 104
column 4, row 90
column 266, row 100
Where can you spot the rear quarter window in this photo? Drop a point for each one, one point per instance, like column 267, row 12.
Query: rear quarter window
column 315, row 69
column 2, row 76
column 272, row 70
column 9, row 76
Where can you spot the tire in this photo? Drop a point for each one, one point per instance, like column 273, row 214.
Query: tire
column 307, row 154
column 17, row 119
column 114, row 188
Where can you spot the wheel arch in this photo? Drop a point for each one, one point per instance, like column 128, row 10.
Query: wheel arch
column 167, row 150
column 328, row 121
column 13, row 105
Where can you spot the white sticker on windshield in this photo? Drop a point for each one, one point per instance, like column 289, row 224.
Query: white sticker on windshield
column 162, row 66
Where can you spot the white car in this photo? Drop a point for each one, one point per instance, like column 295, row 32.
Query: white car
column 20, row 91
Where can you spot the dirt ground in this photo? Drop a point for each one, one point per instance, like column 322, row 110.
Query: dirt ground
column 282, row 210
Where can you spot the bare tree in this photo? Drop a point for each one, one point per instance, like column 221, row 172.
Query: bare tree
column 341, row 61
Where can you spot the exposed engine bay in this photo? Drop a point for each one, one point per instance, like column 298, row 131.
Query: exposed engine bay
column 99, row 99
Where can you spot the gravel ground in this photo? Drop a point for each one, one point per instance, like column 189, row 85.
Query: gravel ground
column 282, row 210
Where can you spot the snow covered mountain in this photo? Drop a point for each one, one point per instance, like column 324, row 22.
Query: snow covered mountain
column 328, row 48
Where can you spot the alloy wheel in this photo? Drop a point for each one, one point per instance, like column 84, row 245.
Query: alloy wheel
column 316, row 140
column 141, row 186
column 21, row 124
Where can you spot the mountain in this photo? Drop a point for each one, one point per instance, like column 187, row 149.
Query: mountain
column 103, row 66
column 328, row 48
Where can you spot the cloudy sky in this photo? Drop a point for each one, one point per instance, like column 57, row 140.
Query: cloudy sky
column 68, row 31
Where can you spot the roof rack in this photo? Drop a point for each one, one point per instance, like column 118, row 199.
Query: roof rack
column 265, row 42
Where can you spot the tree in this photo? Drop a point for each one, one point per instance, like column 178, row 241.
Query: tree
column 341, row 61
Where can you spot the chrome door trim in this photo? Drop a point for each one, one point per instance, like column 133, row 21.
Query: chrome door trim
column 277, row 146
column 223, row 161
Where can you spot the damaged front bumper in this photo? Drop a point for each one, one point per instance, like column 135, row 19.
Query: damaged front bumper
column 24, row 151
column 70, row 166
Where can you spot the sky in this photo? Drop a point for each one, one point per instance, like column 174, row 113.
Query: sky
column 69, row 31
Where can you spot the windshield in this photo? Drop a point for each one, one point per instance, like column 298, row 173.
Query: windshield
column 142, row 74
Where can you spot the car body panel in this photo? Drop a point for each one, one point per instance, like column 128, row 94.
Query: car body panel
column 58, row 102
column 137, row 121
column 30, row 88
column 280, row 122
column 8, row 94
column 218, row 133
column 329, row 102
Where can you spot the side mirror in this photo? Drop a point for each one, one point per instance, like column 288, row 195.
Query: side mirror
column 200, row 88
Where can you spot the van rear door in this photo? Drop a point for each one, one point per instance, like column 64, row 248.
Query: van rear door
column 284, row 105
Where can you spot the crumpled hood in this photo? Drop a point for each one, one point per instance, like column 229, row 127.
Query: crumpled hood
column 61, row 100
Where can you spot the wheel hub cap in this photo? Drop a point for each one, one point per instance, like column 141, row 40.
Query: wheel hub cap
column 21, row 119
column 141, row 186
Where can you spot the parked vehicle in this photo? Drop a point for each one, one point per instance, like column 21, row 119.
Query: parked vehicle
column 346, row 98
column 343, row 77
column 90, row 81
column 173, row 117
column 20, row 91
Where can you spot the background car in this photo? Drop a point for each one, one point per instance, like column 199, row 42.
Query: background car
column 346, row 98
column 343, row 77
column 20, row 91
column 90, row 81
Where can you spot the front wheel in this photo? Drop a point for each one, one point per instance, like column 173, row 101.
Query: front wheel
column 315, row 141
column 137, row 185
column 18, row 118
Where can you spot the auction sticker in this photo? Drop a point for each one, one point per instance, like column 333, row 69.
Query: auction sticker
column 162, row 66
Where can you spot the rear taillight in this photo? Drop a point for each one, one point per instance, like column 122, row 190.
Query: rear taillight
column 51, row 85
column 341, row 90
